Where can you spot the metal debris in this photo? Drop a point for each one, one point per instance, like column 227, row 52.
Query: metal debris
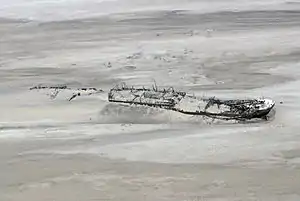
column 55, row 90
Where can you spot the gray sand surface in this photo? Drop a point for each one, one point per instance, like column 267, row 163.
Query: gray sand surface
column 88, row 149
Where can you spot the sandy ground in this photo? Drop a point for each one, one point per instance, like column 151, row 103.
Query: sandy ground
column 55, row 150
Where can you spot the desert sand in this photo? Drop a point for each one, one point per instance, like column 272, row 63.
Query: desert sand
column 89, row 149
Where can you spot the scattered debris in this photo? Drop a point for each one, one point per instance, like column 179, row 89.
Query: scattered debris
column 55, row 90
column 108, row 65
column 136, row 55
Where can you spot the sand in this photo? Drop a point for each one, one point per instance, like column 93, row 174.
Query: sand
column 89, row 149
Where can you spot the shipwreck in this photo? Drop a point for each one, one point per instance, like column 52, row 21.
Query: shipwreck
column 174, row 100
column 179, row 101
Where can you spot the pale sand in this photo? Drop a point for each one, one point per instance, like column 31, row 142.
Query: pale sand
column 90, row 150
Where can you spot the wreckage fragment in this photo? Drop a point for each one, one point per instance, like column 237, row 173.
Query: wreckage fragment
column 165, row 98
column 178, row 101
column 55, row 90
